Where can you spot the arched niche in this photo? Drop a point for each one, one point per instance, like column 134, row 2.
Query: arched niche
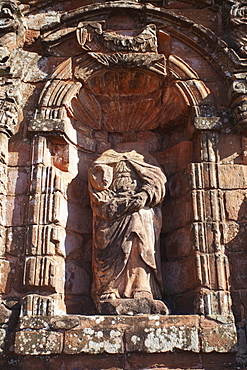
column 97, row 99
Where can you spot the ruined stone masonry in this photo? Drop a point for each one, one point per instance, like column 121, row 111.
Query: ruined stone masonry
column 82, row 81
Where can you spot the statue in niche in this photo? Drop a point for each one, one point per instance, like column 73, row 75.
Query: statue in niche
column 126, row 191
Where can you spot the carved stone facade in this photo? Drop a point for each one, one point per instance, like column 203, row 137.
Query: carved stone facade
column 82, row 81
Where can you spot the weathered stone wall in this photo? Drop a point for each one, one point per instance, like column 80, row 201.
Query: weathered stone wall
column 71, row 90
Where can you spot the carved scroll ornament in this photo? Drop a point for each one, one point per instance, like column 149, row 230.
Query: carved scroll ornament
column 238, row 27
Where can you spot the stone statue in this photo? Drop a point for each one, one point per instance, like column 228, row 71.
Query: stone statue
column 126, row 191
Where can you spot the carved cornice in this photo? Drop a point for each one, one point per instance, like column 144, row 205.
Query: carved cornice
column 217, row 52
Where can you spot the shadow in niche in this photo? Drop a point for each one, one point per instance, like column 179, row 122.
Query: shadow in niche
column 78, row 242
column 236, row 251
column 10, row 309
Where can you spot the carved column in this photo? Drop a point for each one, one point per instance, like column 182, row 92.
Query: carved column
column 9, row 101
column 208, row 228
column 44, row 268
column 4, row 264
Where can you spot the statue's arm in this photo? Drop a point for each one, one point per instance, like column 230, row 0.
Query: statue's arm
column 110, row 209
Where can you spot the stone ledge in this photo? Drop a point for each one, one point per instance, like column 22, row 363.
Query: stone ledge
column 74, row 334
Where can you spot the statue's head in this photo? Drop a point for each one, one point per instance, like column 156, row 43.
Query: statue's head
column 101, row 176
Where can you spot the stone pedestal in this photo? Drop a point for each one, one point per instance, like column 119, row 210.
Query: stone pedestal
column 73, row 334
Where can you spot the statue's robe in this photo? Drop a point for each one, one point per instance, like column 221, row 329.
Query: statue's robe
column 126, row 245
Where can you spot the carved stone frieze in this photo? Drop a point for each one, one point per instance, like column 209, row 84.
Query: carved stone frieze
column 145, row 41
column 92, row 37
column 115, row 47
column 89, row 35
column 10, row 101
column 238, row 27
column 238, row 101
column 12, row 25
column 154, row 62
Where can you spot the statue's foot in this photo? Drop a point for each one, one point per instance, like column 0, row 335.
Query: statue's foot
column 143, row 294
column 106, row 296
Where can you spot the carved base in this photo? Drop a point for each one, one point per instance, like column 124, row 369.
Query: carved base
column 132, row 307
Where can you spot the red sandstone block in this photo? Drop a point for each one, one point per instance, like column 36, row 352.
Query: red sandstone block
column 102, row 141
column 153, row 141
column 219, row 361
column 139, row 146
column 78, row 191
column 16, row 210
column 237, row 308
column 217, row 337
column 77, row 279
column 232, row 176
column 93, row 340
column 18, row 181
column 179, row 276
column 163, row 334
column 238, row 270
column 5, row 268
column 185, row 303
column 38, row 342
column 235, row 236
column 84, row 162
column 61, row 157
column 219, row 94
column 180, row 184
column 3, row 238
column 195, row 61
column 79, row 219
column 176, row 158
column 206, row 17
column 19, row 153
column 177, row 213
column 166, row 361
column 178, row 243
column 15, row 240
column 230, row 148
column 91, row 362
column 67, row 48
column 243, row 300
column 236, row 205
column 74, row 242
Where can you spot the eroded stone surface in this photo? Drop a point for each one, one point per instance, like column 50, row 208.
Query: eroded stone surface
column 38, row 342
column 138, row 78
column 126, row 191
column 217, row 337
column 124, row 334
